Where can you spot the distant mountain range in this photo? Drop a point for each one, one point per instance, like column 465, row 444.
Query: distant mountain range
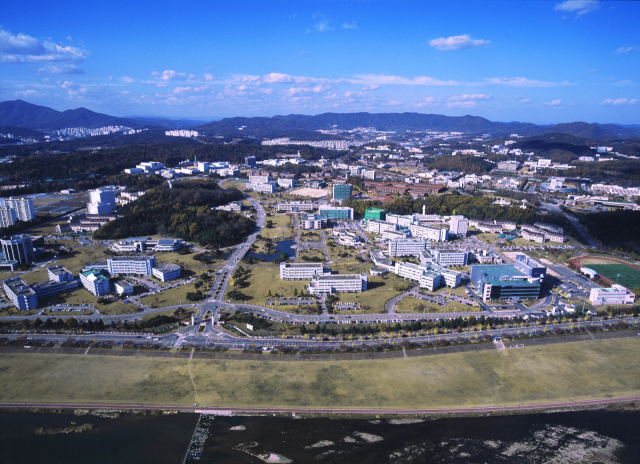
column 19, row 113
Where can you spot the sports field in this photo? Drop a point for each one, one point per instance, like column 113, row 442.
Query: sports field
column 629, row 277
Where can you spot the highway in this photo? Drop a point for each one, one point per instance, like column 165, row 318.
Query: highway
column 573, row 221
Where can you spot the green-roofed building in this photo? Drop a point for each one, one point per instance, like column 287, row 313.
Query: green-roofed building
column 375, row 213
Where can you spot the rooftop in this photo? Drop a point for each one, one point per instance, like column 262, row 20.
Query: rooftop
column 499, row 270
column 166, row 266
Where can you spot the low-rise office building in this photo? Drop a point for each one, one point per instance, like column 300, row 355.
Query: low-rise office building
column 347, row 238
column 123, row 288
column 375, row 213
column 540, row 232
column 616, row 295
column 269, row 187
column 300, row 271
column 336, row 212
column 338, row 283
column 18, row 248
column 494, row 282
column 380, row 259
column 20, row 294
column 131, row 265
column 166, row 272
column 458, row 226
column 95, row 282
column 451, row 257
column 286, row 183
column 407, row 247
column 396, row 234
column 139, row 245
column 434, row 233
column 52, row 287
column 402, row 221
column 295, row 206
column 313, row 221
column 428, row 276
column 59, row 274
column 234, row 206
column 376, row 226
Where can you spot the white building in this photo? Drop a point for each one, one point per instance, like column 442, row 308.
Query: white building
column 402, row 221
column 437, row 234
column 395, row 234
column 123, row 288
column 369, row 174
column 377, row 227
column 407, row 247
column 313, row 221
column 95, row 282
column 259, row 179
column 269, row 187
column 203, row 166
column 458, row 226
column 150, row 166
column 129, row 265
column 428, row 276
column 8, row 217
column 295, row 206
column 379, row 259
column 166, row 272
column 286, row 183
column 300, row 271
column 23, row 207
column 451, row 257
column 101, row 201
column 616, row 295
column 341, row 283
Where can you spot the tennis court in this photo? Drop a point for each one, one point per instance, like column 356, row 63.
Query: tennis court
column 629, row 277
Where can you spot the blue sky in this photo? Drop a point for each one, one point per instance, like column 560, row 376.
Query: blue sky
column 541, row 62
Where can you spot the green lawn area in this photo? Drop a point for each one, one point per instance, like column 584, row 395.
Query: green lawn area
column 112, row 305
column 531, row 375
column 379, row 291
column 311, row 253
column 623, row 274
column 260, row 281
column 171, row 297
column 487, row 238
column 415, row 305
column 282, row 226
column 308, row 236
column 76, row 259
column 188, row 260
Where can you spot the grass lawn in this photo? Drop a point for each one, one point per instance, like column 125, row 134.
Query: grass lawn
column 171, row 297
column 379, row 291
column 260, row 281
column 82, row 296
column 306, row 310
column 282, row 226
column 415, row 305
column 307, row 236
column 310, row 253
column 532, row 375
column 75, row 260
column 188, row 260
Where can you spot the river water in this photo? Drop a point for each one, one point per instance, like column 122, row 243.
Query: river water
column 569, row 437
column 283, row 246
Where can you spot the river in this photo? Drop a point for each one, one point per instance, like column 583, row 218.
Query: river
column 568, row 437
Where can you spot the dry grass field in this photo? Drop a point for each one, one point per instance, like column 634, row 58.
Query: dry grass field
column 531, row 375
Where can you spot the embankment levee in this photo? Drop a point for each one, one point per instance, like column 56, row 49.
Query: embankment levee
column 545, row 377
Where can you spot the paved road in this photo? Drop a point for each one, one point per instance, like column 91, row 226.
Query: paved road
column 369, row 411
column 573, row 221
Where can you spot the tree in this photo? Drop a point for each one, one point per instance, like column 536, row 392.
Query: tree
column 295, row 292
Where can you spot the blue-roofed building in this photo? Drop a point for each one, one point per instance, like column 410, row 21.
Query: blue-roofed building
column 504, row 281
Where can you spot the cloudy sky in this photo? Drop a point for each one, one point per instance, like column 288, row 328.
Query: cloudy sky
column 541, row 62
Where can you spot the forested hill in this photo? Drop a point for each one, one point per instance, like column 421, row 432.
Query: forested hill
column 184, row 211
column 264, row 127
column 22, row 114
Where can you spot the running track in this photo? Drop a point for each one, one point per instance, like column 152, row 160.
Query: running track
column 200, row 409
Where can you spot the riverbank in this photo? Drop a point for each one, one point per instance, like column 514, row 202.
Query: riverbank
column 514, row 378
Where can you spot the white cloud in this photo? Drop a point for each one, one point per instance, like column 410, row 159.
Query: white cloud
column 208, row 77
column 457, row 42
column 277, row 78
column 371, row 87
column 471, row 97
column 351, row 25
column 321, row 26
column 523, row 82
column 63, row 69
column 69, row 85
column 394, row 103
column 626, row 49
column 619, row 101
column 128, row 80
column 180, row 90
column 525, row 100
column 553, row 103
column 374, row 79
column 170, row 75
column 22, row 48
column 428, row 102
column 578, row 6
column 461, row 104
